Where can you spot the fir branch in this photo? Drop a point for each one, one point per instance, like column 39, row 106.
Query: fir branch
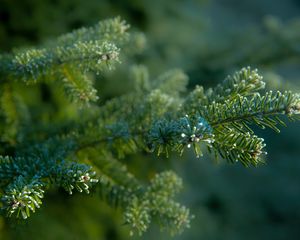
column 93, row 49
column 237, row 113
column 7, row 170
column 32, row 64
column 165, row 136
column 110, row 30
column 156, row 117
column 23, row 196
column 116, row 184
column 235, row 146
column 263, row 111
column 70, row 176
column 78, row 86
column 141, row 203
column 245, row 82
column 156, row 204
column 193, row 100
column 25, row 179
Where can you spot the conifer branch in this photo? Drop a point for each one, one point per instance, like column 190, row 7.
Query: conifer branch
column 260, row 110
column 245, row 82
column 141, row 203
column 85, row 50
column 23, row 196
column 26, row 178
column 157, row 116
column 235, row 146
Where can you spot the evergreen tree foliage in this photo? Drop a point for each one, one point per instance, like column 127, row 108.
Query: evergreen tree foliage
column 84, row 148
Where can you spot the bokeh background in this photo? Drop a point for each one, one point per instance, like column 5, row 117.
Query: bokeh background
column 208, row 39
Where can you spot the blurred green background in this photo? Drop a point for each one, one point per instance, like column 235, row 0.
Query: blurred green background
column 208, row 39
